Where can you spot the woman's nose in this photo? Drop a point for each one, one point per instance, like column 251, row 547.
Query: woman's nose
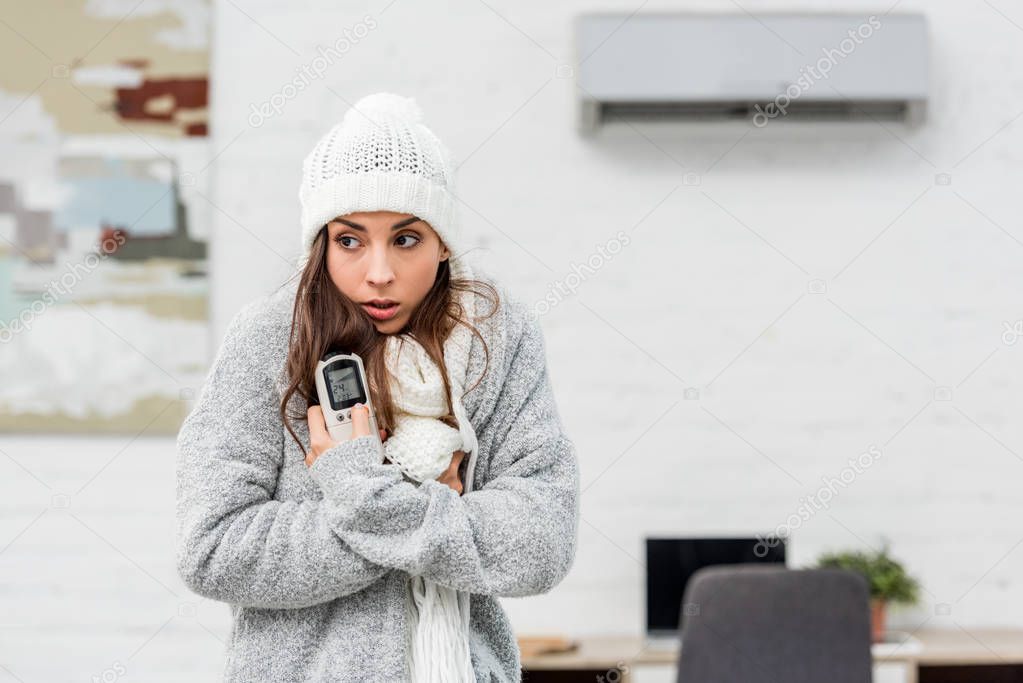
column 380, row 271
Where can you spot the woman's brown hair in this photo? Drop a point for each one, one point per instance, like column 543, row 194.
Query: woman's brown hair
column 324, row 319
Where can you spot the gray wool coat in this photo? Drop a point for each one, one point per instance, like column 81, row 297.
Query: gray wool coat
column 314, row 561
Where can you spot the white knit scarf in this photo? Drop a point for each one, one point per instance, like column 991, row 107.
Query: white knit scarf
column 422, row 447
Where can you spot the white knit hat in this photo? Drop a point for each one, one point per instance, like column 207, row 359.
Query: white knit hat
column 380, row 157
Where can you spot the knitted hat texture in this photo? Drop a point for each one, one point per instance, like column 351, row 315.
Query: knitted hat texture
column 380, row 157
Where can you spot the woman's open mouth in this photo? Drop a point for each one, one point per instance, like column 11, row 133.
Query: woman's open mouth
column 381, row 309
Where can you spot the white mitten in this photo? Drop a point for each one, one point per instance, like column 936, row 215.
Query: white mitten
column 420, row 444
column 422, row 447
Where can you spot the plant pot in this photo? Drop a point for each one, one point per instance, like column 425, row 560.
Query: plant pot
column 877, row 619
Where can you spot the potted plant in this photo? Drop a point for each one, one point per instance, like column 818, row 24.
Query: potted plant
column 888, row 580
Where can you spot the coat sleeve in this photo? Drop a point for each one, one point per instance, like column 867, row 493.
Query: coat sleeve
column 515, row 536
column 234, row 542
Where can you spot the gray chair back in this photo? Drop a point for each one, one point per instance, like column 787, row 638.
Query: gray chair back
column 763, row 624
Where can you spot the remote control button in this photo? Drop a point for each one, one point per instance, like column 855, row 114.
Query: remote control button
column 340, row 417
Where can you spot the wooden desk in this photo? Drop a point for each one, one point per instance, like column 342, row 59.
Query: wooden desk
column 975, row 655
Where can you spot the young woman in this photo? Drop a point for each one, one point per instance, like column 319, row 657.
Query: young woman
column 331, row 557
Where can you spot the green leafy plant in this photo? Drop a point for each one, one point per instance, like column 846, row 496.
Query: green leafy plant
column 887, row 577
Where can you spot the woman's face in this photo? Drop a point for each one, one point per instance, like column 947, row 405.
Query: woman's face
column 384, row 255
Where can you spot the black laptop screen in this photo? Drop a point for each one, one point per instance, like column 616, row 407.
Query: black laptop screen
column 670, row 562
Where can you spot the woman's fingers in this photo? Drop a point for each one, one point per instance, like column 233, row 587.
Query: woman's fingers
column 317, row 424
column 319, row 437
column 360, row 421
column 452, row 481
column 450, row 476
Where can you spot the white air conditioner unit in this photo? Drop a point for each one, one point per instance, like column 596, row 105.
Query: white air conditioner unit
column 683, row 66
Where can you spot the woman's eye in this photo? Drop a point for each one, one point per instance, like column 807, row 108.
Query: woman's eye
column 412, row 240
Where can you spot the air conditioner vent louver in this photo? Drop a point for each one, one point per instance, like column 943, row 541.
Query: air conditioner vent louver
column 699, row 67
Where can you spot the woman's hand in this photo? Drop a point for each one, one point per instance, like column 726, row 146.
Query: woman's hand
column 450, row 475
column 320, row 439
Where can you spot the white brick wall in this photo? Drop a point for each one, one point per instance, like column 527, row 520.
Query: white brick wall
column 711, row 293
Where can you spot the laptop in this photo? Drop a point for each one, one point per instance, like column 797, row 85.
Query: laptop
column 671, row 562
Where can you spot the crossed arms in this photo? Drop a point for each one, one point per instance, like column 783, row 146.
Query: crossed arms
column 235, row 543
